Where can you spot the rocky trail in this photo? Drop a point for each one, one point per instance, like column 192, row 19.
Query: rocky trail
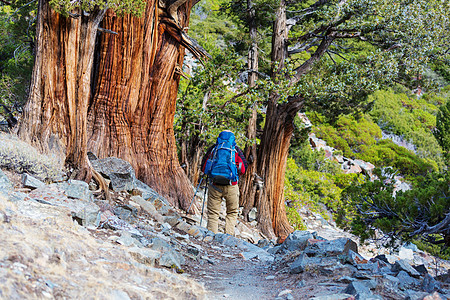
column 60, row 240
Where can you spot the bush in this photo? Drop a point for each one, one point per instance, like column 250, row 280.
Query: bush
column 21, row 157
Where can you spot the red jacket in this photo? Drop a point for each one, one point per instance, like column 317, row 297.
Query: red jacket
column 241, row 162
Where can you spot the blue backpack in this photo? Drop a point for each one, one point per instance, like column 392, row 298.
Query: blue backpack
column 221, row 167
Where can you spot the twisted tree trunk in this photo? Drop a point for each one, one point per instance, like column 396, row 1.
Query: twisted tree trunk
column 55, row 114
column 132, row 113
column 123, row 104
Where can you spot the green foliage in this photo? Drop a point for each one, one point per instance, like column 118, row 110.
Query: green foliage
column 409, row 117
column 442, row 132
column 212, row 101
column 120, row 6
column 17, row 35
column 404, row 215
column 213, row 30
column 319, row 191
column 361, row 139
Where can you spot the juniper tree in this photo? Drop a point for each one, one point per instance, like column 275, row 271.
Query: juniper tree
column 338, row 52
column 111, row 88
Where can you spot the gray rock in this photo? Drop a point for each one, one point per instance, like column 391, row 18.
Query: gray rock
column 31, row 182
column 414, row 295
column 149, row 208
column 429, row 284
column 159, row 244
column 76, row 189
column 145, row 256
column 403, row 265
column 119, row 171
column 421, row 269
column 333, row 297
column 125, row 212
column 336, row 247
column 297, row 240
column 346, row 279
column 128, row 240
column 302, row 262
column 358, row 289
column 113, row 222
column 369, row 267
column 85, row 212
column 171, row 259
column 406, row 281
column 6, row 185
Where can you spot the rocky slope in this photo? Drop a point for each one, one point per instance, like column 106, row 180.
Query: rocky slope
column 62, row 240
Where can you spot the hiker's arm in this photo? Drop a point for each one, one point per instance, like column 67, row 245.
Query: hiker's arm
column 205, row 158
column 242, row 167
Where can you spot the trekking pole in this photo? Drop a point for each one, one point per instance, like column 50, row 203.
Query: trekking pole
column 204, row 196
column 195, row 193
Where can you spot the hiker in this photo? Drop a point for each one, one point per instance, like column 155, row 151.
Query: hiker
column 222, row 163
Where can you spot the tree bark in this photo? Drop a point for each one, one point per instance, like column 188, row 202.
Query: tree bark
column 55, row 114
column 132, row 113
column 122, row 107
column 247, row 186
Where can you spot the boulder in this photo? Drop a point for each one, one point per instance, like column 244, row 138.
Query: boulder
column 144, row 256
column 336, row 247
column 119, row 171
column 297, row 240
column 403, row 265
column 75, row 189
column 85, row 212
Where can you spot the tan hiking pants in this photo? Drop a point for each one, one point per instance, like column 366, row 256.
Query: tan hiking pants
column 231, row 195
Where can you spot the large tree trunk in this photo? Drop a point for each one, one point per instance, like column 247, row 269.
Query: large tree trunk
column 55, row 114
column 273, row 153
column 128, row 110
column 132, row 113
column 247, row 187
column 274, row 146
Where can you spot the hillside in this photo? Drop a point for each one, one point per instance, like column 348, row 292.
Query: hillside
column 62, row 240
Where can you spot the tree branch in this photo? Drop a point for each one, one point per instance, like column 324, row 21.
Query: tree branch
column 307, row 65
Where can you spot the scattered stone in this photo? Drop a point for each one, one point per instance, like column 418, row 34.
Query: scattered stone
column 149, row 208
column 336, row 247
column 335, row 297
column 434, row 296
column 406, row 253
column 76, row 189
column 31, row 182
column 297, row 240
column 358, row 289
column 429, row 284
column 403, row 265
column 421, row 269
column 406, row 281
column 145, row 256
column 126, row 239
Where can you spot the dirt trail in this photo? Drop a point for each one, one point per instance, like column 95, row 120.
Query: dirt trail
column 226, row 275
